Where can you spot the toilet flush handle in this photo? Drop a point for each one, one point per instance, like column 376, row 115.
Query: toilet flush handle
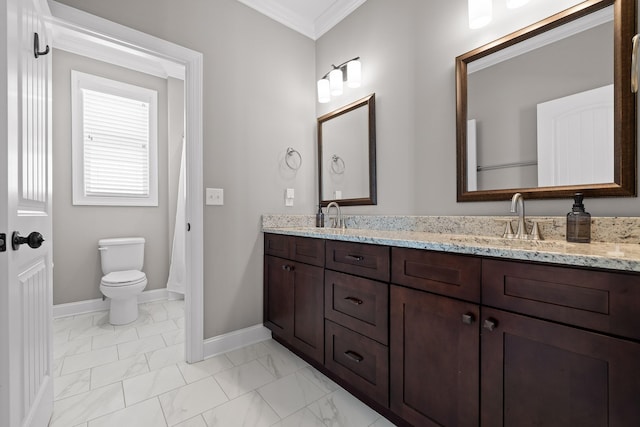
column 102, row 249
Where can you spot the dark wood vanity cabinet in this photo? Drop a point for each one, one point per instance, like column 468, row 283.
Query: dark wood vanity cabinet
column 357, row 317
column 293, row 293
column 536, row 372
column 434, row 358
column 435, row 338
column 559, row 346
column 439, row 339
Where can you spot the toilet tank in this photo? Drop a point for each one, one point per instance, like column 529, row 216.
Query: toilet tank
column 121, row 254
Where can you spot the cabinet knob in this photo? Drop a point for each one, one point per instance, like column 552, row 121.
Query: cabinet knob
column 355, row 257
column 490, row 324
column 468, row 318
column 288, row 267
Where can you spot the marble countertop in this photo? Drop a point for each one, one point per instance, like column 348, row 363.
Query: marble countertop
column 613, row 256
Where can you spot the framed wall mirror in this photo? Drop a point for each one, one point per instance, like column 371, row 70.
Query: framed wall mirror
column 347, row 154
column 549, row 110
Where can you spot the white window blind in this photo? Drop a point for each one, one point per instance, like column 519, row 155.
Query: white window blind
column 114, row 143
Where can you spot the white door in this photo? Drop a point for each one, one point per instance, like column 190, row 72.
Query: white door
column 575, row 139
column 26, row 383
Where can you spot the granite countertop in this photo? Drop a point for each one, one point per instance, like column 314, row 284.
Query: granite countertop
column 613, row 256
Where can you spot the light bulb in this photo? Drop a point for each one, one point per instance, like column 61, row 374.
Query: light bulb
column 354, row 73
column 512, row 4
column 480, row 12
column 324, row 95
column 335, row 82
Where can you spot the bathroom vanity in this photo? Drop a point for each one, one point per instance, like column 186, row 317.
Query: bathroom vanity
column 442, row 330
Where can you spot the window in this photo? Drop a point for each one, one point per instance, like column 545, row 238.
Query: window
column 114, row 142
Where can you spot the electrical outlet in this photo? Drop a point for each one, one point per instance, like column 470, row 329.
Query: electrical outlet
column 289, row 195
column 215, row 196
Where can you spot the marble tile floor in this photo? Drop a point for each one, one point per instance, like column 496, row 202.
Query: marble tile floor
column 135, row 376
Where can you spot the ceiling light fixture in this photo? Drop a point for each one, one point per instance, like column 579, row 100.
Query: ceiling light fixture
column 331, row 84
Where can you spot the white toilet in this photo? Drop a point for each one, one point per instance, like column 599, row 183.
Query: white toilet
column 123, row 280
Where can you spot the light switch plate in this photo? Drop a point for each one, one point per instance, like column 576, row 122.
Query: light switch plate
column 215, row 196
column 290, row 193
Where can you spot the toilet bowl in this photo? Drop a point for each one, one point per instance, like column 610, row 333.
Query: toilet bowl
column 123, row 280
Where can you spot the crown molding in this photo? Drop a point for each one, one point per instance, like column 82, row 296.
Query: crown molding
column 339, row 10
column 336, row 13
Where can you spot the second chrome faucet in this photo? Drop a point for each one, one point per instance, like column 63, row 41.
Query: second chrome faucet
column 517, row 206
column 337, row 221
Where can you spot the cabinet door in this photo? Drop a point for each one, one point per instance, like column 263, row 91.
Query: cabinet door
column 535, row 373
column 434, row 348
column 308, row 310
column 294, row 304
column 278, row 296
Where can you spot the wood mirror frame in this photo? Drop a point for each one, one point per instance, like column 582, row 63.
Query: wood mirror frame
column 369, row 103
column 625, row 148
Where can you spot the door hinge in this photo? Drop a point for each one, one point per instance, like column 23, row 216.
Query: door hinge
column 3, row 242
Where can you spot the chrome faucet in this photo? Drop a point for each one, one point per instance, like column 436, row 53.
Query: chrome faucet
column 517, row 206
column 337, row 221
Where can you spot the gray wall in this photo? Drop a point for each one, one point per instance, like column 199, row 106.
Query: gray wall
column 259, row 88
column 77, row 229
column 408, row 50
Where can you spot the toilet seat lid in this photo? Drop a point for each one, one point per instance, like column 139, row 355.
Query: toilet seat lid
column 128, row 277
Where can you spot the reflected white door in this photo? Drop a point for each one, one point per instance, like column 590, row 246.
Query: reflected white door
column 575, row 139
column 26, row 383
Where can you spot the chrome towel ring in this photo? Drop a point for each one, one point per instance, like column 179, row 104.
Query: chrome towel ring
column 337, row 164
column 290, row 159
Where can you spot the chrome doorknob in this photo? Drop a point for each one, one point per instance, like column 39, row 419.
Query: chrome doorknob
column 34, row 240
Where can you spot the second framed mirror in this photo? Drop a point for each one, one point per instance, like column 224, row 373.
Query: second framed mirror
column 347, row 154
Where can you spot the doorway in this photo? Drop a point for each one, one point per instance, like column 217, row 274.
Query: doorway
column 106, row 41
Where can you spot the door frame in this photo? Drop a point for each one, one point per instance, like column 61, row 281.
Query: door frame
column 126, row 46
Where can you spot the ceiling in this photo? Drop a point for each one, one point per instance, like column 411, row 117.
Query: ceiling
column 311, row 18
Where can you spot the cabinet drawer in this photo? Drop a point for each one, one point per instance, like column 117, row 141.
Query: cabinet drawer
column 359, row 361
column 452, row 275
column 303, row 249
column 360, row 259
column 599, row 300
column 359, row 304
column 307, row 250
column 276, row 245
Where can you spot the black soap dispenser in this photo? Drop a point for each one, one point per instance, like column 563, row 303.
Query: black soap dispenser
column 320, row 217
column 578, row 222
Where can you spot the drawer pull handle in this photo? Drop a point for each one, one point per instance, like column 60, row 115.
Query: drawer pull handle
column 287, row 267
column 490, row 324
column 354, row 300
column 354, row 257
column 468, row 318
column 354, row 356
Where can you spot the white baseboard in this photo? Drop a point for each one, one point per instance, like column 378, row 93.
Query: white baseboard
column 236, row 339
column 88, row 306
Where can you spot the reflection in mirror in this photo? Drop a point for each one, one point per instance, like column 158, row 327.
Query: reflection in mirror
column 346, row 154
column 548, row 109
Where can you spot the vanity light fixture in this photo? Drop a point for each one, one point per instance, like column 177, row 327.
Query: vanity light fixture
column 480, row 12
column 512, row 4
column 331, row 84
